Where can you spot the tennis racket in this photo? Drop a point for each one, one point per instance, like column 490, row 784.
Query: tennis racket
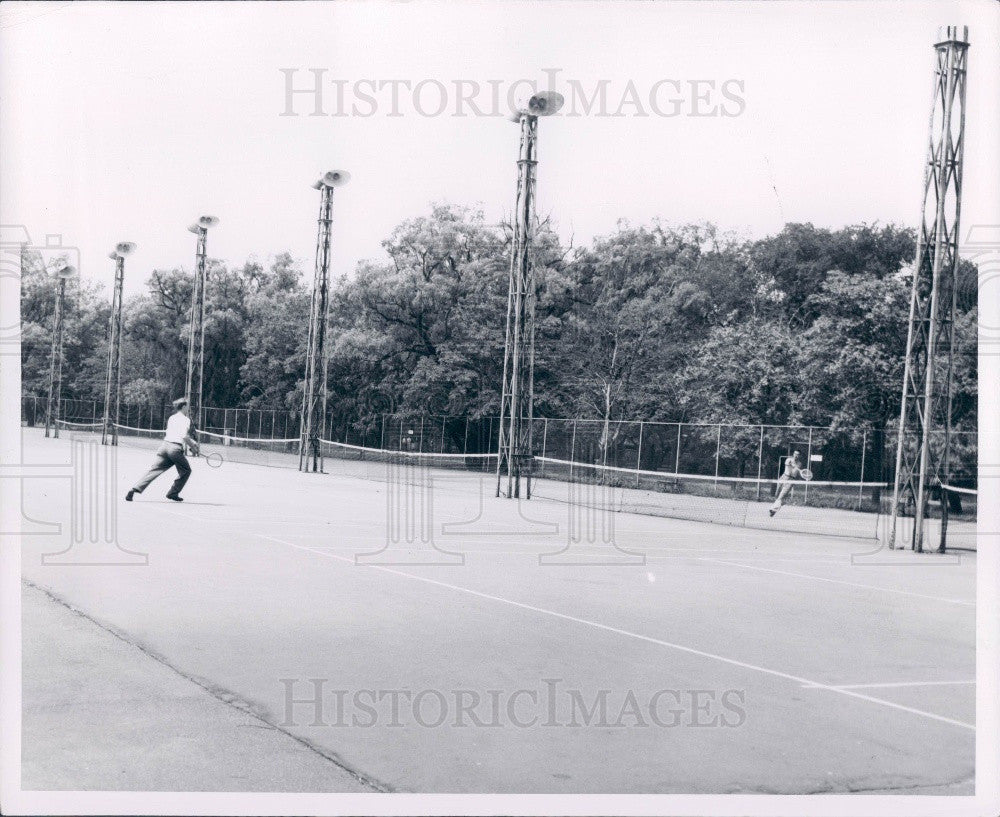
column 806, row 474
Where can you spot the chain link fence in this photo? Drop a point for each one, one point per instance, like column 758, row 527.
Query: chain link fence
column 720, row 450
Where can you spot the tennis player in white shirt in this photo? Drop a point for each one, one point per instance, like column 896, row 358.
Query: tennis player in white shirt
column 171, row 453
column 793, row 470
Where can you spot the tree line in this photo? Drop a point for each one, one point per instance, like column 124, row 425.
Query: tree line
column 679, row 323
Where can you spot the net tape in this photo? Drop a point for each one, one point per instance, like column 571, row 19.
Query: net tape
column 673, row 475
column 232, row 439
column 971, row 493
column 417, row 455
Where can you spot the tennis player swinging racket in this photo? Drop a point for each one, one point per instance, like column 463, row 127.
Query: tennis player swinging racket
column 793, row 470
column 171, row 453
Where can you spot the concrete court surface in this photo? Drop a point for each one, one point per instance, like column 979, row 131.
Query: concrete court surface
column 776, row 663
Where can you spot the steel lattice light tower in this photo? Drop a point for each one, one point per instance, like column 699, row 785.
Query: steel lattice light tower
column 926, row 394
column 196, row 343
column 517, row 395
column 112, row 381
column 314, row 387
column 63, row 272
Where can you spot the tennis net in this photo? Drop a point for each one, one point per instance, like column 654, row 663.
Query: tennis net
column 276, row 453
column 280, row 453
column 833, row 508
column 80, row 428
column 339, row 458
column 383, row 464
column 963, row 507
column 962, row 501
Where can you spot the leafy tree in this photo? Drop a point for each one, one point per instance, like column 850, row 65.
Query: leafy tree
column 275, row 335
column 625, row 299
column 420, row 334
column 85, row 324
column 155, row 340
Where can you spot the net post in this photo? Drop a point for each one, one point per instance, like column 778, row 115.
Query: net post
column 718, row 450
column 638, row 456
column 809, row 451
column 677, row 457
column 545, row 434
column 443, row 421
column 572, row 450
column 760, row 460
column 861, row 478
column 942, row 544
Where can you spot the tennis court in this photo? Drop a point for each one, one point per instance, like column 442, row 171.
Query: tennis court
column 568, row 647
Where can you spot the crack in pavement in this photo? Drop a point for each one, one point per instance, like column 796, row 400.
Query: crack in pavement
column 225, row 696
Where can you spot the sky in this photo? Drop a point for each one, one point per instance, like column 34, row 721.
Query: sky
column 126, row 121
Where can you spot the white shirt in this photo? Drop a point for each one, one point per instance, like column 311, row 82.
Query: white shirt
column 178, row 427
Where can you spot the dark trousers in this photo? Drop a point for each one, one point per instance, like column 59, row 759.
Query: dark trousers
column 169, row 455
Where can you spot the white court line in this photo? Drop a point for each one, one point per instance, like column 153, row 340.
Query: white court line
column 195, row 508
column 899, row 684
column 840, row 581
column 628, row 634
column 764, row 556
column 541, row 551
column 651, row 552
